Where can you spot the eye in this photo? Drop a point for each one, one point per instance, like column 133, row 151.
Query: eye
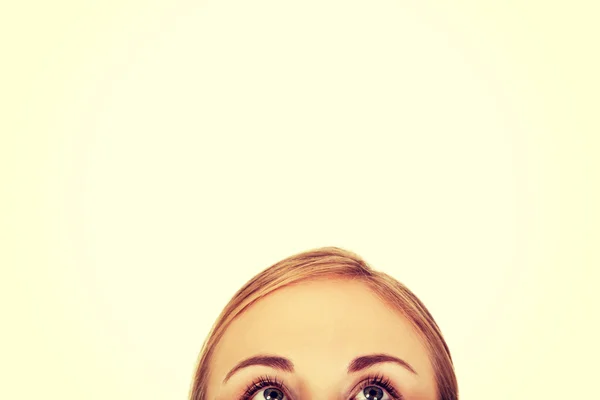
column 271, row 393
column 265, row 388
column 377, row 387
column 372, row 392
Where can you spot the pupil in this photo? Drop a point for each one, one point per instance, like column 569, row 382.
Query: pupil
column 273, row 394
column 373, row 393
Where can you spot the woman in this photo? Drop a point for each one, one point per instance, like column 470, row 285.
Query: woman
column 323, row 325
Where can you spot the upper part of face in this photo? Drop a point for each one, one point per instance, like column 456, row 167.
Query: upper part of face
column 321, row 327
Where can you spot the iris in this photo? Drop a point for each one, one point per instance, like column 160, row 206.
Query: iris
column 373, row 393
column 273, row 394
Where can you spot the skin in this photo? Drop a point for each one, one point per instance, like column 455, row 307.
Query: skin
column 321, row 326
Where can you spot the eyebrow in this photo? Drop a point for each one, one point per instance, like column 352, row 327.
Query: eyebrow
column 283, row 364
column 367, row 361
column 275, row 362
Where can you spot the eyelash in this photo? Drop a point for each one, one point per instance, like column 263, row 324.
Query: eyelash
column 263, row 382
column 383, row 382
column 266, row 381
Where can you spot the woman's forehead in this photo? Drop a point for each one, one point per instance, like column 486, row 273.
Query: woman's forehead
column 321, row 321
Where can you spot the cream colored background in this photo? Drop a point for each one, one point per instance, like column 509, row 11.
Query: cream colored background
column 156, row 155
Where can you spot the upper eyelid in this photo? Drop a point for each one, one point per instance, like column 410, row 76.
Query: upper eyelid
column 368, row 377
column 347, row 394
column 276, row 382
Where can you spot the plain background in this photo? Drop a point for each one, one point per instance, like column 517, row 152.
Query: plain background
column 156, row 155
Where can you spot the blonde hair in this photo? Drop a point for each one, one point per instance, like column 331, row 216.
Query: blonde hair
column 332, row 262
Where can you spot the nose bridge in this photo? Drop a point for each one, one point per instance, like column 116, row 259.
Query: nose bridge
column 322, row 365
column 322, row 394
column 321, row 384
